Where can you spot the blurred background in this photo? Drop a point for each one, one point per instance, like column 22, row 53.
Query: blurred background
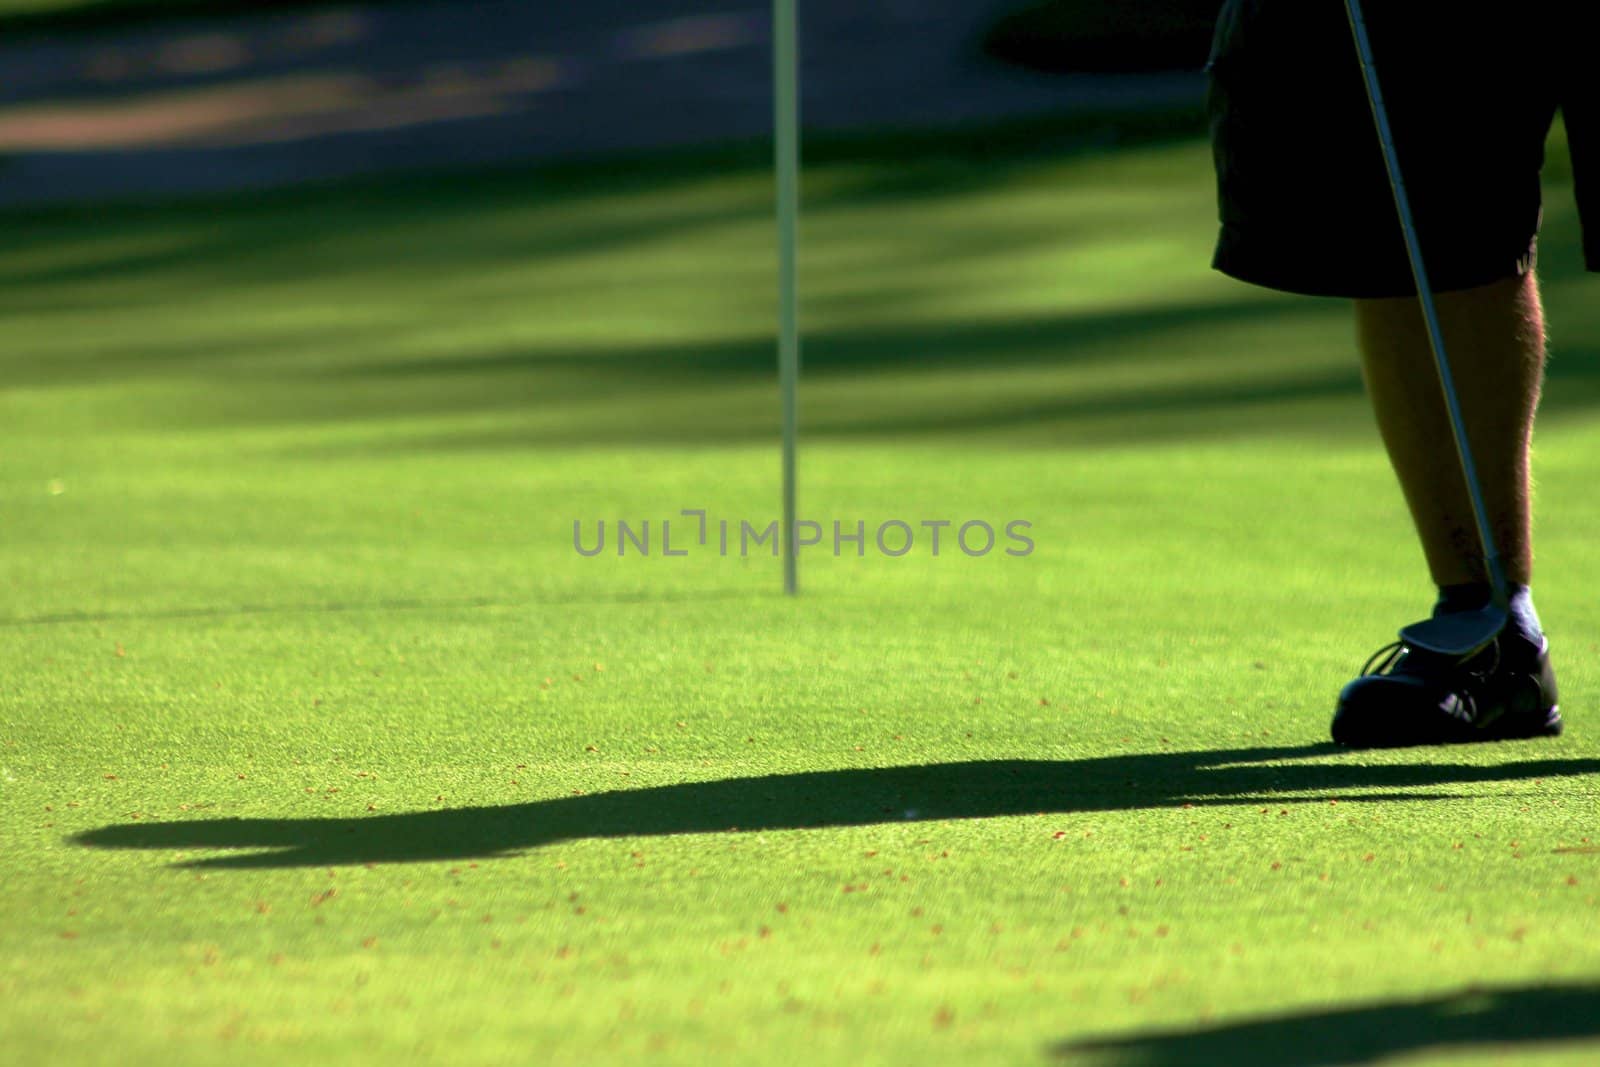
column 150, row 97
column 303, row 275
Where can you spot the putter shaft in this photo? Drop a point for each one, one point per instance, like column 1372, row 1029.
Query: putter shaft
column 1430, row 312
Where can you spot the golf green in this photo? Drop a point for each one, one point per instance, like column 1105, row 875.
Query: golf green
column 320, row 739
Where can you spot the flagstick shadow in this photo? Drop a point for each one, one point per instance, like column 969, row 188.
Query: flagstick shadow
column 815, row 800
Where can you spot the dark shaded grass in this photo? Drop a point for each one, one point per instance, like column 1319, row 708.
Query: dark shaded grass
column 407, row 232
column 1507, row 1019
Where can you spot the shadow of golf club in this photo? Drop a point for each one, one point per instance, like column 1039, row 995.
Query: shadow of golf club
column 818, row 799
column 351, row 607
column 1497, row 1017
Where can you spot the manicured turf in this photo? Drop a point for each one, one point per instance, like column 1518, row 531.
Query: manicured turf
column 320, row 743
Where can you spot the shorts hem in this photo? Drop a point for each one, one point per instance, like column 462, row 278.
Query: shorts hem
column 1273, row 264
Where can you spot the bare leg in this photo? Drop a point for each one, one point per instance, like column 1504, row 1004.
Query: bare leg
column 1495, row 339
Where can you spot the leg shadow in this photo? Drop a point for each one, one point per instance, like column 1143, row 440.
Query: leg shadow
column 818, row 799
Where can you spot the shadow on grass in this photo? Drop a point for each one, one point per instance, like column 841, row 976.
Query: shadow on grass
column 1504, row 1019
column 876, row 366
column 450, row 219
column 819, row 799
column 231, row 611
column 676, row 380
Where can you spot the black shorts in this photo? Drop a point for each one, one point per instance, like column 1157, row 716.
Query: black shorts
column 1471, row 88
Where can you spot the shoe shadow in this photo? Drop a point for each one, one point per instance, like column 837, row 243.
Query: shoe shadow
column 818, row 799
column 1500, row 1018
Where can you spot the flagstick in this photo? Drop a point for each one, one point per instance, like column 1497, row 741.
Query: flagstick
column 786, row 76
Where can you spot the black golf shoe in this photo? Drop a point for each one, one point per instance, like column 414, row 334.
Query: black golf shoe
column 1406, row 696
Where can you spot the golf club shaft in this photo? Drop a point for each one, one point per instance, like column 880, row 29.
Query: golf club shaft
column 1430, row 312
column 786, row 95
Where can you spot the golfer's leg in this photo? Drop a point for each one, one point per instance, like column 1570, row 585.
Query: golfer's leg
column 1495, row 339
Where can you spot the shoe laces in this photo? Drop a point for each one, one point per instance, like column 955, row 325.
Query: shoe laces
column 1381, row 660
column 1384, row 660
column 1467, row 681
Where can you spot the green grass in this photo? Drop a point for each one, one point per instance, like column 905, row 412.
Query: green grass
column 319, row 742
